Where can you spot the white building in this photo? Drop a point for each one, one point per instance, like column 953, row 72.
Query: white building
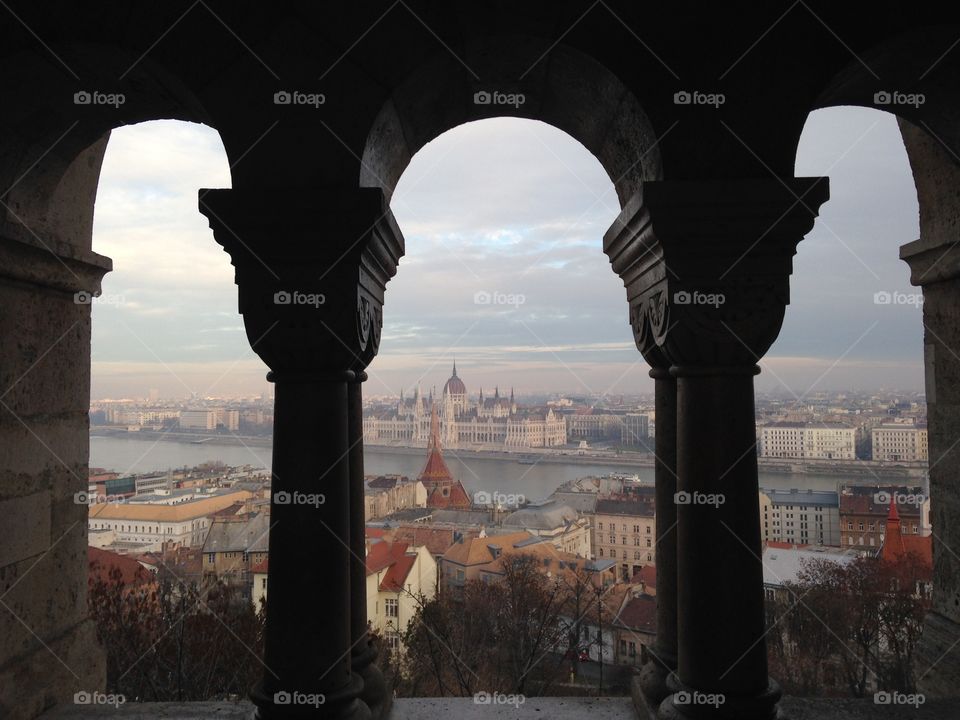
column 149, row 525
column 808, row 441
column 209, row 419
column 899, row 442
column 803, row 517
column 399, row 576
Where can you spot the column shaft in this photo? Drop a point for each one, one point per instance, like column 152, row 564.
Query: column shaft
column 308, row 632
column 661, row 659
column 720, row 599
column 364, row 654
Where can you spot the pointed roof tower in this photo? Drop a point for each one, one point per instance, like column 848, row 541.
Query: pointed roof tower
column 442, row 490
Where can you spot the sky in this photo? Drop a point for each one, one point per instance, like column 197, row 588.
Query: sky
column 504, row 270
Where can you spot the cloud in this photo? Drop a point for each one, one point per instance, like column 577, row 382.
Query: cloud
column 510, row 208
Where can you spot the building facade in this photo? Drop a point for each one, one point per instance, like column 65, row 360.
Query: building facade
column 899, row 443
column 864, row 511
column 495, row 420
column 808, row 441
column 399, row 578
column 803, row 517
column 625, row 531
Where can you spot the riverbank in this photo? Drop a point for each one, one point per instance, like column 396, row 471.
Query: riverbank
column 866, row 471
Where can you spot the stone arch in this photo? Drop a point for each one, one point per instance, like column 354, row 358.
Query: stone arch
column 915, row 63
column 566, row 88
column 49, row 157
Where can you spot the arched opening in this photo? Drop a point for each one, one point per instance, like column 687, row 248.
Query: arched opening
column 503, row 221
column 165, row 331
column 573, row 92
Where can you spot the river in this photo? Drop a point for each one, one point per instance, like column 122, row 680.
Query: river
column 129, row 455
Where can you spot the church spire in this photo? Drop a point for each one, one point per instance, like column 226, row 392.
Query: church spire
column 454, row 367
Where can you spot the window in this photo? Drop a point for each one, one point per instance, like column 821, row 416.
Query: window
column 211, row 557
column 599, row 526
column 391, row 606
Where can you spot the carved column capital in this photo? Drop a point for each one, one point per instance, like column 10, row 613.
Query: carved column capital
column 706, row 265
column 311, row 268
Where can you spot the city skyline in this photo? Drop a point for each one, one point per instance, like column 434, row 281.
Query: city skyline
column 503, row 220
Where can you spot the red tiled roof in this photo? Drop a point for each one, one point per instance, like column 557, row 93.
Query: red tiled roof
column 646, row 575
column 394, row 580
column 375, row 532
column 102, row 563
column 436, row 540
column 898, row 547
column 639, row 613
column 383, row 554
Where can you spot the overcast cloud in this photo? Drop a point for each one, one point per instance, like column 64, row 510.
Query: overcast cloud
column 504, row 268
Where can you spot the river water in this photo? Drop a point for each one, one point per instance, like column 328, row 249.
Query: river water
column 128, row 455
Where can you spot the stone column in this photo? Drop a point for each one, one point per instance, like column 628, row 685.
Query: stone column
column 935, row 266
column 375, row 693
column 311, row 267
column 707, row 267
column 48, row 642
